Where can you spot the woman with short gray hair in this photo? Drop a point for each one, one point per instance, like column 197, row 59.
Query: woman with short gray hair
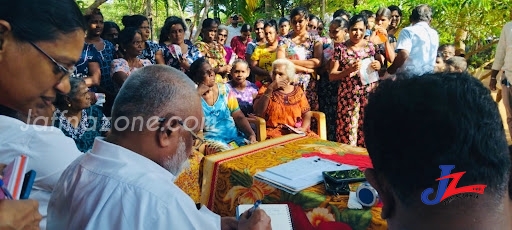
column 77, row 118
column 282, row 103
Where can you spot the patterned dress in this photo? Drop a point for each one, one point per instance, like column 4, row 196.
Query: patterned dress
column 220, row 128
column 328, row 96
column 121, row 65
column 352, row 96
column 149, row 52
column 285, row 109
column 245, row 97
column 171, row 52
column 89, row 54
column 215, row 56
column 303, row 52
column 92, row 124
column 107, row 56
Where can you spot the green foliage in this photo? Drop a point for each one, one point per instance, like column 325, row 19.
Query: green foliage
column 241, row 178
column 161, row 9
column 357, row 219
column 305, row 199
column 480, row 18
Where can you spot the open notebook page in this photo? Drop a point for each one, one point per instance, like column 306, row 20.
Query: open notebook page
column 279, row 214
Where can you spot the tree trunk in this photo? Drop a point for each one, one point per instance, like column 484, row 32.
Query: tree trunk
column 460, row 46
column 356, row 2
column 93, row 6
column 322, row 16
column 180, row 7
column 149, row 16
column 207, row 4
column 267, row 8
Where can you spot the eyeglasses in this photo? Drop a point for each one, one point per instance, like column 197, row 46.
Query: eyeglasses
column 61, row 68
column 198, row 141
column 223, row 35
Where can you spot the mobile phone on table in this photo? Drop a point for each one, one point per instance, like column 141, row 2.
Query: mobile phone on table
column 28, row 182
column 337, row 182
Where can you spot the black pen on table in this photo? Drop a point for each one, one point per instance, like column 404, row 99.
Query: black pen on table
column 251, row 210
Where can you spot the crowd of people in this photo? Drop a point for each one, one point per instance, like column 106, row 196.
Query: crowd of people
column 113, row 166
column 331, row 61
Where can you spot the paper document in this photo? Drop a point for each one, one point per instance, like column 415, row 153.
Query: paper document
column 367, row 73
column 299, row 174
column 279, row 214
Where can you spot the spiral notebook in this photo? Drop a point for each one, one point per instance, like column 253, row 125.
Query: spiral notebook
column 279, row 214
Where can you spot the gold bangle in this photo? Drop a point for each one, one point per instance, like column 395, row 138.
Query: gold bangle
column 266, row 95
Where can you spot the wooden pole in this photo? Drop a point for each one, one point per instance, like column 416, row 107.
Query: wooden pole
column 323, row 12
column 149, row 16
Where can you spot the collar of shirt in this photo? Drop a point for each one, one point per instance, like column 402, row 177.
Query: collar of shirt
column 126, row 157
column 422, row 23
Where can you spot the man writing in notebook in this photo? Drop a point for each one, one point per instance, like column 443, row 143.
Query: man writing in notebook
column 126, row 180
column 417, row 128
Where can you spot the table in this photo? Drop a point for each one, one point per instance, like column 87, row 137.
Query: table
column 227, row 181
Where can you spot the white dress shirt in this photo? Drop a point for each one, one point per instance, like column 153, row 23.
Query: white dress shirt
column 232, row 32
column 111, row 187
column 49, row 152
column 503, row 58
column 422, row 43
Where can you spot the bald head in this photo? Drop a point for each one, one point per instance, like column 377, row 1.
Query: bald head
column 154, row 91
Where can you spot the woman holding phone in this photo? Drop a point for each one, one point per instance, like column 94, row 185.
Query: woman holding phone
column 178, row 51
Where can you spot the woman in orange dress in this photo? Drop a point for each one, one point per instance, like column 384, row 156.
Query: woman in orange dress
column 283, row 105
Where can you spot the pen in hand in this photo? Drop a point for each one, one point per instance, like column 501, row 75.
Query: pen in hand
column 256, row 204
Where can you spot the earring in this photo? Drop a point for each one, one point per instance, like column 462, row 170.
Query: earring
column 69, row 105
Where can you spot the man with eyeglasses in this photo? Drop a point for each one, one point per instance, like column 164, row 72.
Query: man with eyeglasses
column 126, row 180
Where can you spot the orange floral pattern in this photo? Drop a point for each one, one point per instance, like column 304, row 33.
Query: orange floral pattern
column 319, row 215
column 244, row 195
column 188, row 180
column 229, row 181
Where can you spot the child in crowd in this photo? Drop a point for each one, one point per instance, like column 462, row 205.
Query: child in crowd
column 244, row 90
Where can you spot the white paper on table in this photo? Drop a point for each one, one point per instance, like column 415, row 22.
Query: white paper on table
column 367, row 73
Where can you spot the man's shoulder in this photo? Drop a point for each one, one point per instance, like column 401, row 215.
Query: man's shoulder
column 144, row 182
column 15, row 130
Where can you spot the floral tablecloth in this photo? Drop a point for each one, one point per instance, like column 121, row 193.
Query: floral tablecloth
column 227, row 181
